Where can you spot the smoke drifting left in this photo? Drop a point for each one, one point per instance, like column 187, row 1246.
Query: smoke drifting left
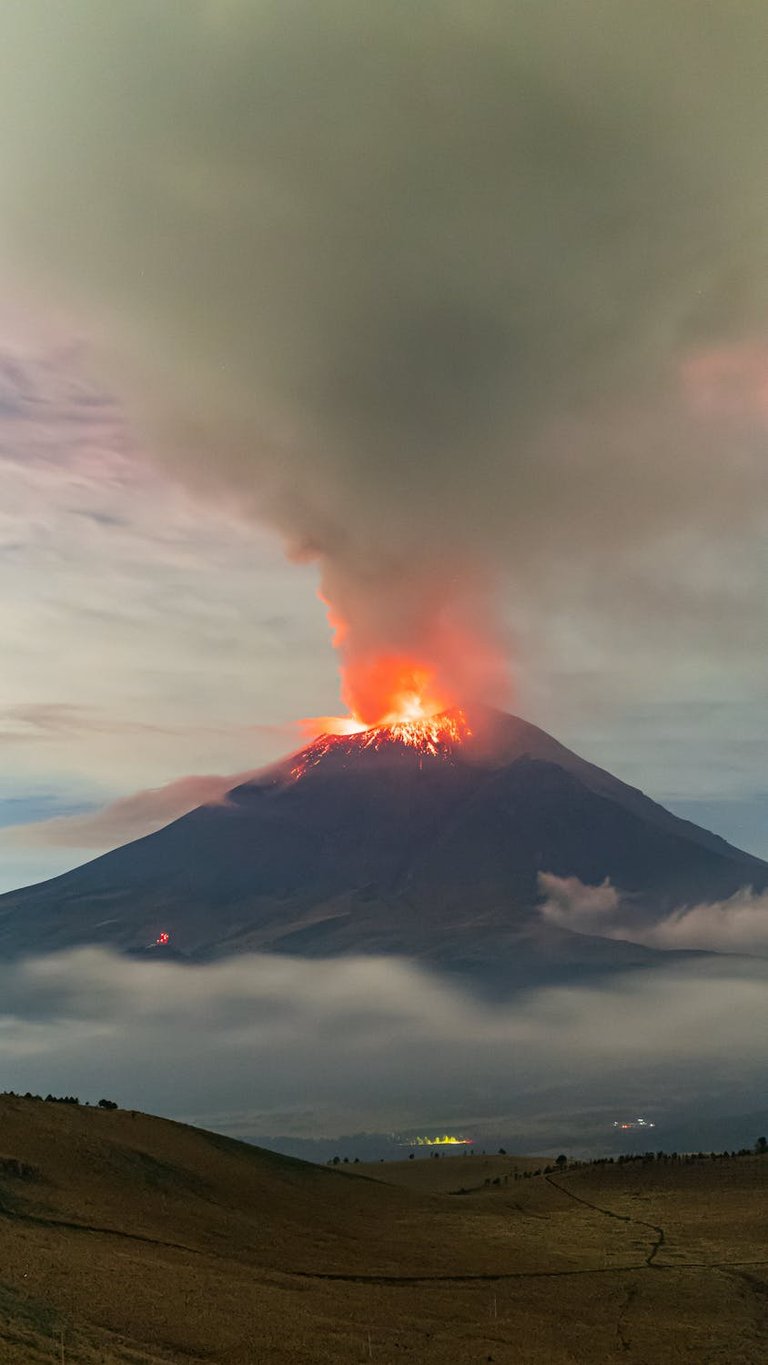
column 426, row 287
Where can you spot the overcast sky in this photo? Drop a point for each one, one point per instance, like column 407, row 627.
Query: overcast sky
column 323, row 293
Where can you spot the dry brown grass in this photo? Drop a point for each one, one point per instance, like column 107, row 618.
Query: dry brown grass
column 129, row 1240
column 448, row 1174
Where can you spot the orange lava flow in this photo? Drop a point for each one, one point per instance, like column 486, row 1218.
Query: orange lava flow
column 431, row 737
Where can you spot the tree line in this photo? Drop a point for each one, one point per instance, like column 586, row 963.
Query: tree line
column 60, row 1099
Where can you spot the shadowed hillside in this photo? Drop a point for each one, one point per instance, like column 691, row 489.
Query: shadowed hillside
column 125, row 1238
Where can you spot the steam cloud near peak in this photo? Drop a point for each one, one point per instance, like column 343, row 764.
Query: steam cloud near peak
column 447, row 293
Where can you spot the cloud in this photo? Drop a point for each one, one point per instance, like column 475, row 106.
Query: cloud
column 52, row 720
column 48, row 402
column 42, row 720
column 443, row 295
column 370, row 1041
column 570, row 902
column 130, row 817
column 736, row 925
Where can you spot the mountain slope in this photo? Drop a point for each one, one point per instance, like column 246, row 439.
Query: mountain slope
column 361, row 846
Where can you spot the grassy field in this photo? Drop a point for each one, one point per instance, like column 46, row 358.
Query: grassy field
column 130, row 1239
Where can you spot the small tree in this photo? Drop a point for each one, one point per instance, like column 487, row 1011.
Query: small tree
column 107, row 1104
column 561, row 1161
column 761, row 1146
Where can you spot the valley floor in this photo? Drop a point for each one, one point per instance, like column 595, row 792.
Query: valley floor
column 129, row 1240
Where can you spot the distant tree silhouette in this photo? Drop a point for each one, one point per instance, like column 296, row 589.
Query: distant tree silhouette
column 561, row 1161
column 761, row 1146
column 107, row 1104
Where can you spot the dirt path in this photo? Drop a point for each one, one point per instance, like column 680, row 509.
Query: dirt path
column 487, row 1277
column 657, row 1244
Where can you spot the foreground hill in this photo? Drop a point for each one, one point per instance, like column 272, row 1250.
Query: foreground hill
column 367, row 844
column 125, row 1238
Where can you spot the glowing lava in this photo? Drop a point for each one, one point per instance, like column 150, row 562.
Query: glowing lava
column 434, row 736
column 394, row 700
column 397, row 699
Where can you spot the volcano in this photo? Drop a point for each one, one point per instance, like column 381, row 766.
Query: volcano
column 425, row 839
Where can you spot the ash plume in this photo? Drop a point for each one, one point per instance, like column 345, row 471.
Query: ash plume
column 454, row 296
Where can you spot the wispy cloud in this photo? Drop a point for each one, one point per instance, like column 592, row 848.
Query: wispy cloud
column 130, row 817
column 736, row 925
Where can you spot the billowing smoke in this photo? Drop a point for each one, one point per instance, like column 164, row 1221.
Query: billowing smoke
column 452, row 294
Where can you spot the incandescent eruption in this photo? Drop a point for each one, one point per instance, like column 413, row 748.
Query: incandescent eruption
column 431, row 736
column 455, row 657
column 393, row 700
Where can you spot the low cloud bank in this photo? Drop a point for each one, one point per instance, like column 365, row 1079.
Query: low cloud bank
column 736, row 925
column 376, row 1043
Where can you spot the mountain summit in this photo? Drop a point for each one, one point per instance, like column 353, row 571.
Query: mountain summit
column 428, row 844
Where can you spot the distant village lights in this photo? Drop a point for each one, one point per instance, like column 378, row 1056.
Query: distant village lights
column 445, row 1141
